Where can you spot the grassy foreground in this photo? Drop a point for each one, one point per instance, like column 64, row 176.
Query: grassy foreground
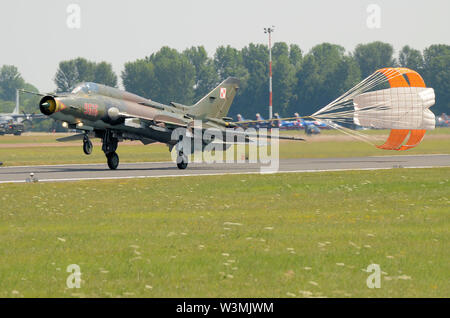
column 282, row 235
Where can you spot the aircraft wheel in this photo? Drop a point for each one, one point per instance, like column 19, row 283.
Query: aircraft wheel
column 87, row 146
column 182, row 162
column 113, row 160
column 182, row 165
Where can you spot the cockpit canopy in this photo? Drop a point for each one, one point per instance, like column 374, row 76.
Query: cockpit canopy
column 89, row 88
column 85, row 88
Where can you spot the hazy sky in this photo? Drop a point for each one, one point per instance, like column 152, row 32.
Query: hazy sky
column 35, row 36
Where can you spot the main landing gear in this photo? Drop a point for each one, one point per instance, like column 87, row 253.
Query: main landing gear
column 113, row 160
column 109, row 147
column 182, row 160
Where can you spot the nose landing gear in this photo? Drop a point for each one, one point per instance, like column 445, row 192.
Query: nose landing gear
column 87, row 145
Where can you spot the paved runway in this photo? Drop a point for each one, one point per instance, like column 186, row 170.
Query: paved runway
column 72, row 172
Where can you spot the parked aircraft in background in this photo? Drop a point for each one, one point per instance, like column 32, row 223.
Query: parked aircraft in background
column 443, row 120
column 12, row 123
column 284, row 124
column 244, row 123
column 302, row 122
column 13, row 128
column 263, row 123
column 296, row 122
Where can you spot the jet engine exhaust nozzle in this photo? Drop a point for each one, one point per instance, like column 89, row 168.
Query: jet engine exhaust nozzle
column 47, row 105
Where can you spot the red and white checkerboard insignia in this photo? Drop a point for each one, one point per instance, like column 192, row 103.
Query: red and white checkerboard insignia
column 223, row 92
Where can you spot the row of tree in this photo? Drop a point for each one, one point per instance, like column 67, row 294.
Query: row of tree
column 10, row 80
column 72, row 72
column 301, row 82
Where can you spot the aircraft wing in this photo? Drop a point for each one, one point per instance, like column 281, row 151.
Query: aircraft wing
column 17, row 115
column 145, row 141
column 248, row 136
column 234, row 132
column 161, row 118
column 269, row 120
column 71, row 138
column 30, row 116
column 171, row 120
column 42, row 94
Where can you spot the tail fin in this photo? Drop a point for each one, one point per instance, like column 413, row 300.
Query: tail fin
column 16, row 109
column 217, row 103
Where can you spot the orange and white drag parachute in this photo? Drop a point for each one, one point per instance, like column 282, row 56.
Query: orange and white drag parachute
column 403, row 107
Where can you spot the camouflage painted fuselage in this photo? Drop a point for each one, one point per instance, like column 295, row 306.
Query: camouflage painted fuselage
column 95, row 107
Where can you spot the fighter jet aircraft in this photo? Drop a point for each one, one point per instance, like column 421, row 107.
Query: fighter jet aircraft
column 284, row 124
column 260, row 122
column 115, row 115
column 244, row 123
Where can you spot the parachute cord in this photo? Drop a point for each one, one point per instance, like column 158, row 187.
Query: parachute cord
column 351, row 133
column 345, row 100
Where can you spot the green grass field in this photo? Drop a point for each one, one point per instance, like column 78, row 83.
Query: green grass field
column 282, row 235
column 16, row 150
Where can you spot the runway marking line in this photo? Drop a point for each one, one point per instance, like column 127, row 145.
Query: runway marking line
column 157, row 162
column 84, row 164
column 219, row 174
